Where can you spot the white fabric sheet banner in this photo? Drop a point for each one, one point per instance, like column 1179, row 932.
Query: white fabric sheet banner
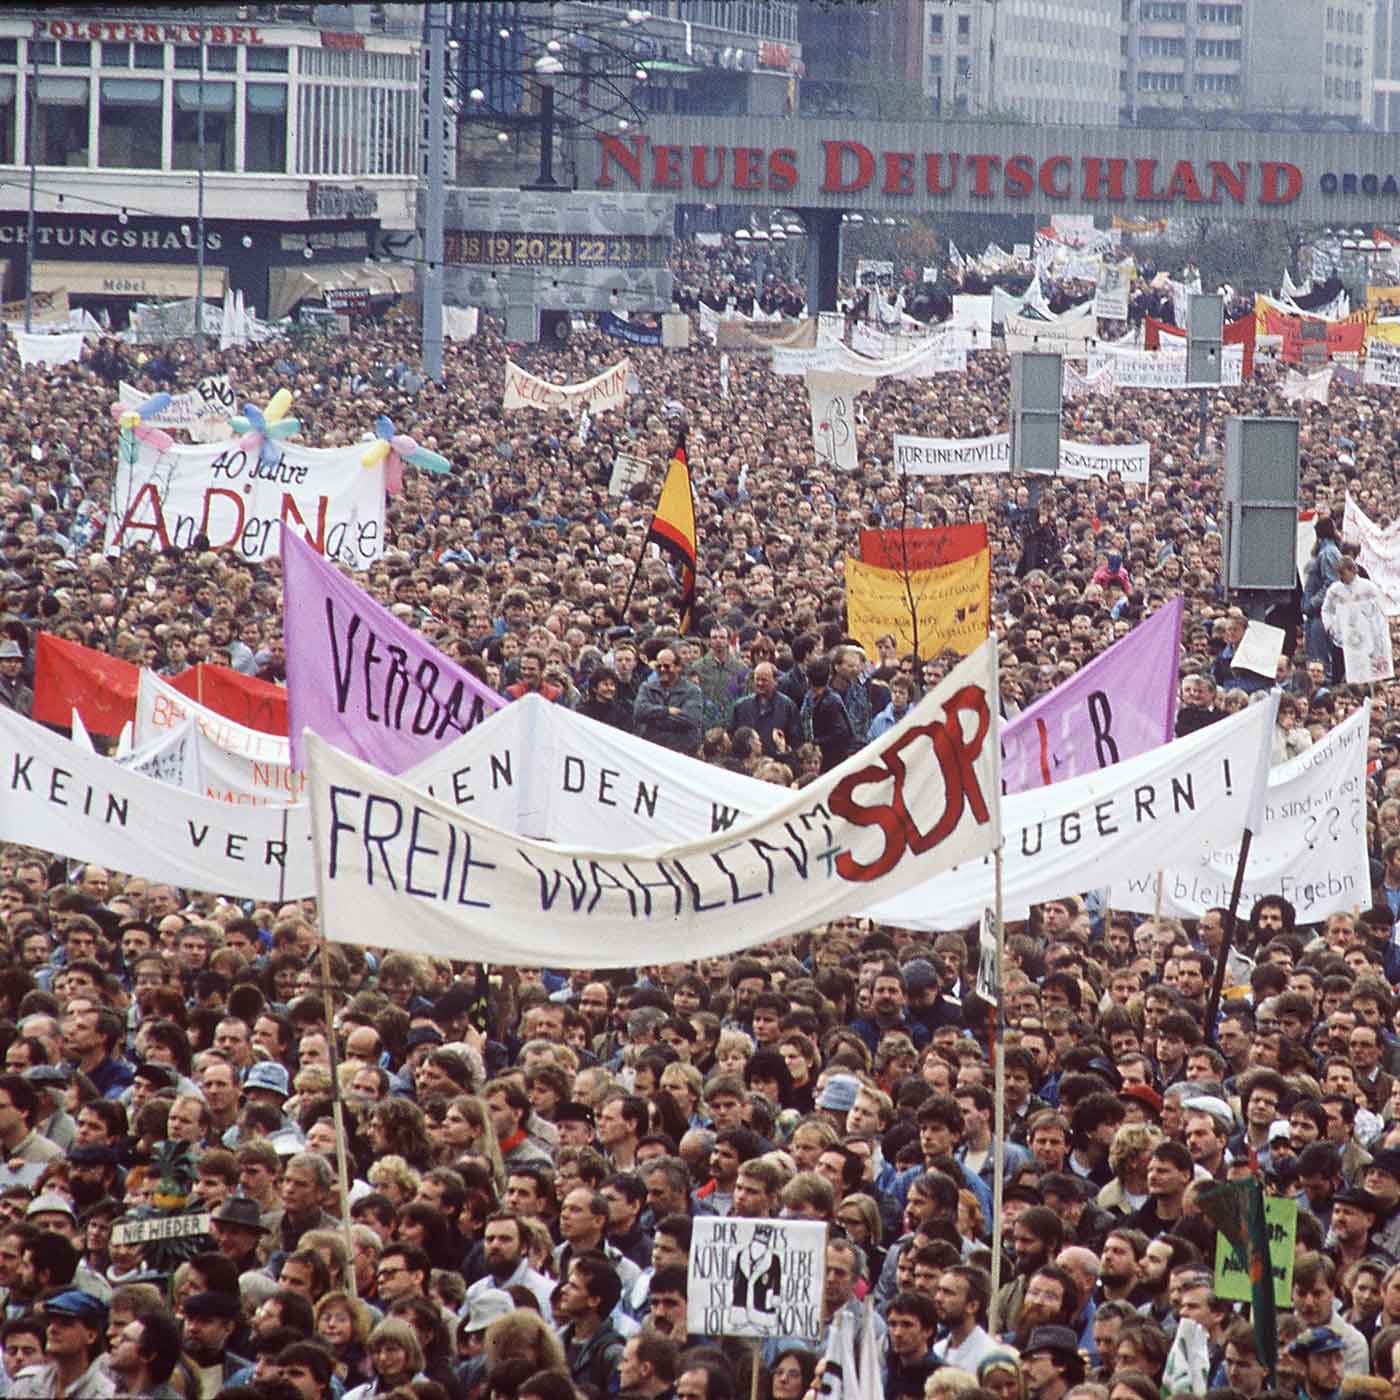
column 1079, row 461
column 240, row 764
column 460, row 322
column 974, row 314
column 543, row 771
column 1354, row 616
column 202, row 411
column 58, row 798
column 604, row 391
column 937, row 354
column 1311, row 848
column 219, row 490
column 756, row 1278
column 832, row 400
column 173, row 758
column 1162, row 369
column 1379, row 554
column 1077, row 385
column 1307, row 388
column 709, row 322
column 1170, row 807
column 400, row 869
column 36, row 348
column 1065, row 337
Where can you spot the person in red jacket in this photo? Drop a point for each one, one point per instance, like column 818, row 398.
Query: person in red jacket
column 532, row 681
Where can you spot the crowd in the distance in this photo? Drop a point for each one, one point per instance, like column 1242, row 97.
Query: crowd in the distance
column 525, row 1151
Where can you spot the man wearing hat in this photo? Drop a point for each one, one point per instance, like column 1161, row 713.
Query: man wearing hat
column 1052, row 1363
column 1354, row 1215
column 210, row 1320
column 489, row 1305
column 238, row 1230
column 1381, row 1177
column 75, row 1324
column 14, row 694
column 1320, row 1350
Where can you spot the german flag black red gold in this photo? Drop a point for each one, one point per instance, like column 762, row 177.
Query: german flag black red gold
column 673, row 526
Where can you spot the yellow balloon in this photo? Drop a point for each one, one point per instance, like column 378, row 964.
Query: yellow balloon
column 278, row 405
column 129, row 421
column 374, row 454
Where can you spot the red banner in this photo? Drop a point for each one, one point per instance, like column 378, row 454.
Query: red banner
column 1308, row 337
column 1237, row 332
column 253, row 703
column 70, row 677
column 925, row 549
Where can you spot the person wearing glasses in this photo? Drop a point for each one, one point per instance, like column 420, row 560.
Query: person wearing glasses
column 669, row 709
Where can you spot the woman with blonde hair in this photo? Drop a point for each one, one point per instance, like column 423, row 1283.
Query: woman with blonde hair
column 537, row 1246
column 343, row 1324
column 396, row 1356
column 523, row 1335
column 859, row 1216
column 394, row 1178
column 467, row 1128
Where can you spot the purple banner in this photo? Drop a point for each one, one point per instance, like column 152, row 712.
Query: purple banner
column 1120, row 705
column 362, row 679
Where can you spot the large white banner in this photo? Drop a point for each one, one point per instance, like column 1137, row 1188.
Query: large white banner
column 398, row 868
column 832, row 399
column 1307, row 388
column 1354, row 617
column 239, row 764
column 604, row 391
column 58, row 798
column 220, row 491
column 43, row 348
column 1079, row 461
column 1070, row 336
column 945, row 353
column 1170, row 807
column 203, row 411
column 173, row 757
column 974, row 315
column 1078, row 385
column 1162, row 369
column 1379, row 554
column 1311, row 847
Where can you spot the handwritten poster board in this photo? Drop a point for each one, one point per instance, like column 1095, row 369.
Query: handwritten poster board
column 756, row 1278
column 1232, row 1279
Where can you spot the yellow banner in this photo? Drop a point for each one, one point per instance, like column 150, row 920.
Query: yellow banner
column 1375, row 295
column 1140, row 225
column 953, row 604
column 1386, row 331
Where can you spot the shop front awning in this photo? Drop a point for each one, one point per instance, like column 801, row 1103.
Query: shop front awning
column 144, row 281
column 289, row 285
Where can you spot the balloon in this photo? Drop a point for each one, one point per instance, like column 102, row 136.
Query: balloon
column 260, row 429
column 133, row 426
column 278, row 405
column 397, row 450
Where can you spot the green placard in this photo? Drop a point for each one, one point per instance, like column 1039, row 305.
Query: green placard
column 1232, row 1281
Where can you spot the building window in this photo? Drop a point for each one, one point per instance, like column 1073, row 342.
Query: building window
column 218, row 126
column 1157, row 46
column 1218, row 82
column 267, row 60
column 116, row 55
column 1172, row 11
column 75, row 54
column 1227, row 48
column 1220, row 14
column 935, row 28
column 7, row 119
column 964, row 67
column 149, row 55
column 964, row 28
column 265, row 127
column 129, row 123
column 935, row 66
column 1160, row 82
column 61, row 122
column 221, row 58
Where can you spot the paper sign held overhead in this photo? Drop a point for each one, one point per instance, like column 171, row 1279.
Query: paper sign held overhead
column 756, row 1278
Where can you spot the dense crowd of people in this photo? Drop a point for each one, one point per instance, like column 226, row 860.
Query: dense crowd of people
column 524, row 1151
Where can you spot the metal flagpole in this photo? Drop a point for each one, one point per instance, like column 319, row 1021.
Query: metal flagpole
column 999, row 1082
column 199, row 221
column 434, row 194
column 31, row 102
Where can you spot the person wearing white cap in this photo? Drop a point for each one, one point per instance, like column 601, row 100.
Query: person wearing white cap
column 14, row 694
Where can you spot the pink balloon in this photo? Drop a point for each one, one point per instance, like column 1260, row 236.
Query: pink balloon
column 403, row 444
column 251, row 442
column 157, row 438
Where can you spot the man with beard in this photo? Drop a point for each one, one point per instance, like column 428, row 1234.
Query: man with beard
column 92, row 1174
column 506, row 1265
column 666, row 1304
column 961, row 1297
column 1037, row 1237
column 1051, row 1363
column 1120, row 1265
column 1321, row 1351
column 1051, row 1300
column 210, row 1320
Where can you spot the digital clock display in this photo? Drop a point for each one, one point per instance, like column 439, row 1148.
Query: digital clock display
column 474, row 247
